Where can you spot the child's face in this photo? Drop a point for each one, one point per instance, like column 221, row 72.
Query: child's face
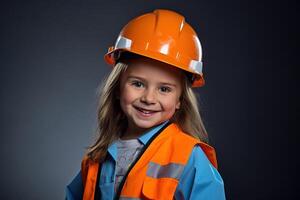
column 149, row 93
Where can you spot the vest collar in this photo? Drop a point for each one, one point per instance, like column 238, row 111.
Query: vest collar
column 112, row 149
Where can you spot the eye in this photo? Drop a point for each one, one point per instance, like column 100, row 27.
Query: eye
column 137, row 84
column 165, row 89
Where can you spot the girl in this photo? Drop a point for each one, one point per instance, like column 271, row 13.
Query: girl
column 152, row 143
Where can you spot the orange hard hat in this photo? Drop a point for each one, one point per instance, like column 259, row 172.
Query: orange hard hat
column 162, row 35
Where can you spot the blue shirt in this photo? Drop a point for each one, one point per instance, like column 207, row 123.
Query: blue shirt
column 200, row 180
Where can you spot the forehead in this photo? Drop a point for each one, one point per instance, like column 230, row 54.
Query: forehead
column 153, row 69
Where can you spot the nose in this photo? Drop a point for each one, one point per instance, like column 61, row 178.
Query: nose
column 149, row 96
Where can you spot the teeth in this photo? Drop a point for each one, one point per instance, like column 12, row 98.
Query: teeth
column 144, row 111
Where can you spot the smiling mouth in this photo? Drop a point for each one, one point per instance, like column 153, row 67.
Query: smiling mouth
column 146, row 111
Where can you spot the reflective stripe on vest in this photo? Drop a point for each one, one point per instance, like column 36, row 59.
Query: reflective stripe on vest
column 171, row 170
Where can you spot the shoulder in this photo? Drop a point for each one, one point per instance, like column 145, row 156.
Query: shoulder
column 200, row 179
column 74, row 190
column 182, row 137
column 200, row 161
column 205, row 171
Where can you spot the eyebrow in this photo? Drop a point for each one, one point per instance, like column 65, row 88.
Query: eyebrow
column 143, row 79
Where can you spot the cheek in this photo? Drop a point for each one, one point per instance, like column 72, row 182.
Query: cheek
column 124, row 100
column 125, row 104
column 126, row 97
column 171, row 105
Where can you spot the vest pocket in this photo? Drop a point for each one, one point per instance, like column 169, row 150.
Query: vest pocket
column 159, row 188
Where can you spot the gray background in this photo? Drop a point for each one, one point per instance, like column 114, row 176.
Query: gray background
column 52, row 63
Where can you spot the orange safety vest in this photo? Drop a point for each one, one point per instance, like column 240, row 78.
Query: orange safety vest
column 156, row 173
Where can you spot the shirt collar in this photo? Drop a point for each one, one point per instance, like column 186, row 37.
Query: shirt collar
column 112, row 149
column 148, row 135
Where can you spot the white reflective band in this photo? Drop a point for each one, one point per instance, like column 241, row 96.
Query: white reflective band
column 171, row 170
column 123, row 42
column 196, row 66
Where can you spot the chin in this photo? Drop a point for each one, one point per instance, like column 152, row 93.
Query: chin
column 146, row 124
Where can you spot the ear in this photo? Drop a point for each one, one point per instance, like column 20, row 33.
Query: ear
column 177, row 105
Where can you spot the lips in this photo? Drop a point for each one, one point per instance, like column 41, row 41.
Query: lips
column 145, row 112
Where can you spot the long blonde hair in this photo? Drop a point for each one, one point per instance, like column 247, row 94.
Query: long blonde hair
column 111, row 121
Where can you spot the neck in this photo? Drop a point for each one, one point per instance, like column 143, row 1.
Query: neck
column 133, row 132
